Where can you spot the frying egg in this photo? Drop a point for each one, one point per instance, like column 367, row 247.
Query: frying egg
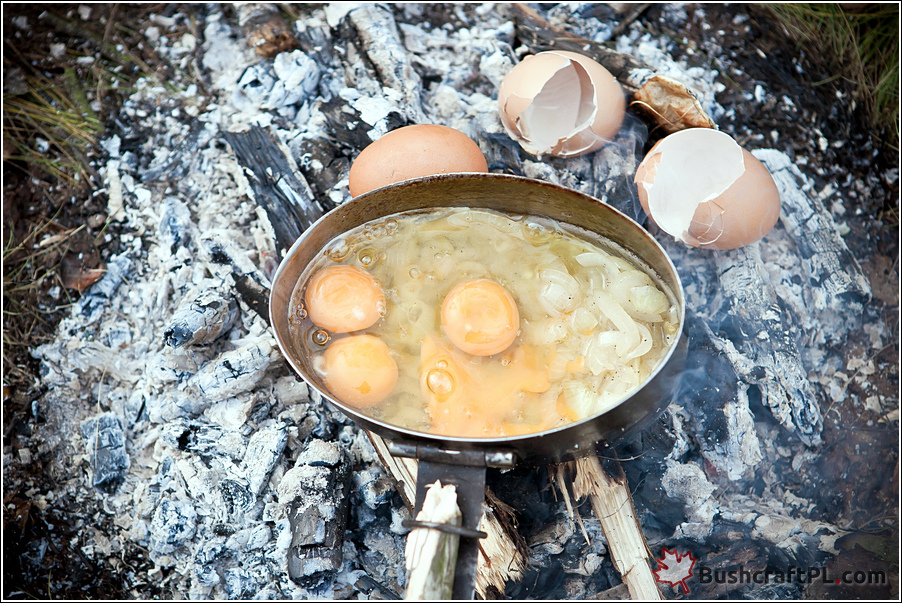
column 480, row 397
column 561, row 103
column 701, row 187
column 359, row 370
column 412, row 152
column 480, row 317
column 344, row 299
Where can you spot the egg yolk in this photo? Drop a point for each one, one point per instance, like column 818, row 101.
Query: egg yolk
column 344, row 299
column 359, row 370
column 480, row 317
column 480, row 397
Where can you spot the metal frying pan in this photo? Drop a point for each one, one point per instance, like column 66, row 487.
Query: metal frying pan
column 463, row 461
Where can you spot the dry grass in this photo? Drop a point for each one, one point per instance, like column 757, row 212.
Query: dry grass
column 52, row 124
column 863, row 44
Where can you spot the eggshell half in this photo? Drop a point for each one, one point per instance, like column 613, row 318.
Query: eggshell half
column 701, row 187
column 561, row 103
column 412, row 152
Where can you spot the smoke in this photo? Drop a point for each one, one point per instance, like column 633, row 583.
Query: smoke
column 614, row 166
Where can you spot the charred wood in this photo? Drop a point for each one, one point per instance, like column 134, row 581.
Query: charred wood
column 375, row 24
column 833, row 272
column 277, row 186
column 105, row 444
column 229, row 262
column 315, row 493
column 203, row 316
column 93, row 303
column 761, row 344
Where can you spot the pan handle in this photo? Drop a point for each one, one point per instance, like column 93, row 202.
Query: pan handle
column 466, row 470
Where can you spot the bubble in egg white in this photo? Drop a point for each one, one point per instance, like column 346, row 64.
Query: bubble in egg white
column 339, row 250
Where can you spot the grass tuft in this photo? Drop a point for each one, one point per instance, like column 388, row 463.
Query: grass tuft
column 863, row 41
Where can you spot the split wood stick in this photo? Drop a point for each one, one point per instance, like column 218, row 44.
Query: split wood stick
column 610, row 497
column 432, row 554
column 502, row 555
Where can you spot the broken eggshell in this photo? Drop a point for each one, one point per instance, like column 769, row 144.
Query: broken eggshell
column 701, row 187
column 561, row 103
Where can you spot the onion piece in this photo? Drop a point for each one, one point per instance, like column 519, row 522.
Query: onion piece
column 583, row 322
column 581, row 400
column 644, row 344
column 560, row 292
column 617, row 315
column 648, row 300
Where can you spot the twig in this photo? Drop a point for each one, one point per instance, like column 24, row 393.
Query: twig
column 634, row 13
column 613, row 505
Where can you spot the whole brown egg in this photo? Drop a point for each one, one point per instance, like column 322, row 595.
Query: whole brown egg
column 412, row 152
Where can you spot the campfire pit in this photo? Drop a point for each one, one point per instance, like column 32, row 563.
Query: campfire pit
column 215, row 472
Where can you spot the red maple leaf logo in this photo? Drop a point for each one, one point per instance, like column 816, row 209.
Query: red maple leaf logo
column 674, row 568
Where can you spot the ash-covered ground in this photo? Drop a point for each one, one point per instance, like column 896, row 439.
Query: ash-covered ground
column 153, row 460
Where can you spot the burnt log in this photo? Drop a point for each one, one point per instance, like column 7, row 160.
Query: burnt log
column 761, row 344
column 315, row 492
column 833, row 272
column 278, row 186
column 105, row 444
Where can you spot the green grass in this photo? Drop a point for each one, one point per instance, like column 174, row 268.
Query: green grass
column 863, row 42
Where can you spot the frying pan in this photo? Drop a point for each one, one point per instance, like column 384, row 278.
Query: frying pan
column 459, row 460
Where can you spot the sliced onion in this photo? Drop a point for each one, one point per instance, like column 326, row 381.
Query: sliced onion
column 601, row 352
column 557, row 367
column 580, row 398
column 617, row 315
column 560, row 292
column 550, row 330
column 583, row 322
column 648, row 299
column 644, row 344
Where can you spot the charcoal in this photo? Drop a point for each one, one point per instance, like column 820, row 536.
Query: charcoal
column 766, row 354
column 316, row 499
column 376, row 27
column 280, row 189
column 834, row 273
column 239, row 583
column 93, row 303
column 203, row 316
column 202, row 439
column 174, row 405
column 264, row 448
column 250, row 283
column 105, row 445
column 277, row 84
column 174, row 525
column 176, row 228
column 233, row 372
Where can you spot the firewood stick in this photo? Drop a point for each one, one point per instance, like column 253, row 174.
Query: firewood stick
column 540, row 35
column 502, row 555
column 431, row 554
column 613, row 505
